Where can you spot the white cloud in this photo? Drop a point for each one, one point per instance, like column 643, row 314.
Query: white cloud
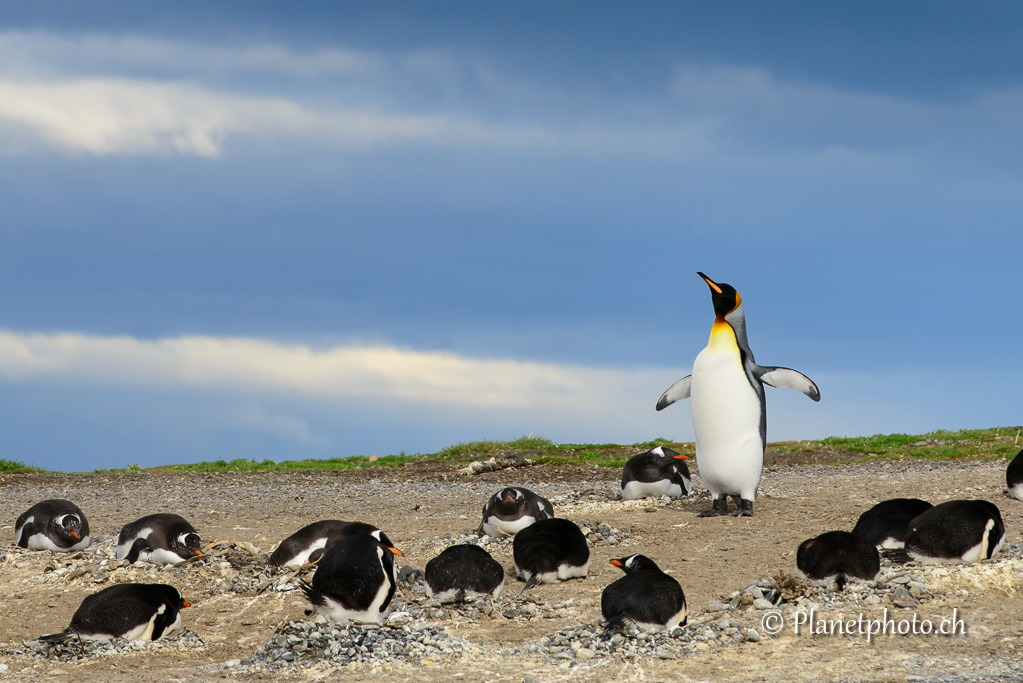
column 339, row 372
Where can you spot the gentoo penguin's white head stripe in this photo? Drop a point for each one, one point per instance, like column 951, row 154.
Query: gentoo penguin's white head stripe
column 182, row 537
column 657, row 451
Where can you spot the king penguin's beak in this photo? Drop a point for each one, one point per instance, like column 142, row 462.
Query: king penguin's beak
column 710, row 283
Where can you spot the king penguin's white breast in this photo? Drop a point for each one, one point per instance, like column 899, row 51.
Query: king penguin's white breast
column 726, row 418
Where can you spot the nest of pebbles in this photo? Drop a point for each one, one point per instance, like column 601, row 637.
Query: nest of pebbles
column 312, row 642
column 76, row 649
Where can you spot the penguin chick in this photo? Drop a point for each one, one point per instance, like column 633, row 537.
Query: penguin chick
column 887, row 523
column 464, row 572
column 55, row 524
column 657, row 472
column 954, row 531
column 354, row 580
column 310, row 542
column 838, row 555
column 133, row 611
column 1014, row 477
column 646, row 596
column 163, row 538
column 549, row 551
column 511, row 510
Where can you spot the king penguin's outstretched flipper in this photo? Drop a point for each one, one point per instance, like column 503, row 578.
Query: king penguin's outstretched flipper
column 786, row 378
column 676, row 392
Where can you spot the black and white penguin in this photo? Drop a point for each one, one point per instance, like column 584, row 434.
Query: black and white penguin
column 354, row 580
column 887, row 523
column 646, row 596
column 134, row 611
column 838, row 556
column 310, row 542
column 658, row 472
column 163, row 538
column 511, row 510
column 464, row 572
column 956, row 531
column 549, row 551
column 729, row 411
column 1014, row 477
column 54, row 524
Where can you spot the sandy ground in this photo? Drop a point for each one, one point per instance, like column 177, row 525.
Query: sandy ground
column 419, row 507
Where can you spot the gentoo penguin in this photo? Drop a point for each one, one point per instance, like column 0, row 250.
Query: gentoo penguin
column 54, row 524
column 658, row 472
column 163, row 538
column 310, row 542
column 464, row 572
column 550, row 550
column 838, row 555
column 729, row 412
column 354, row 580
column 1014, row 477
column 956, row 531
column 134, row 611
column 887, row 523
column 511, row 510
column 646, row 596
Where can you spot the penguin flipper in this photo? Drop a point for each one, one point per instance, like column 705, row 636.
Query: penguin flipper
column 676, row 392
column 787, row 378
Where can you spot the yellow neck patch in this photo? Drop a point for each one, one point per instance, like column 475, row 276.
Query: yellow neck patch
column 722, row 335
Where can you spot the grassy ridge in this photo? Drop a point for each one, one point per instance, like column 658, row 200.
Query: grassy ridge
column 970, row 444
column 16, row 467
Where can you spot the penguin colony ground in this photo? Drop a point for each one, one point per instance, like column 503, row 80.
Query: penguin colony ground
column 355, row 577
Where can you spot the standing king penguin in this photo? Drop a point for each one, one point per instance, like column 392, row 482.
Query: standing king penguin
column 729, row 412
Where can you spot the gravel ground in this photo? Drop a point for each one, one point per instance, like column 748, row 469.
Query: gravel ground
column 248, row 621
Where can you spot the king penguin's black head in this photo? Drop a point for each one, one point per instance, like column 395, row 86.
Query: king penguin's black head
column 725, row 298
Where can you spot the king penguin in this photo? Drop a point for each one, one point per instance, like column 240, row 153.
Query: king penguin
column 729, row 411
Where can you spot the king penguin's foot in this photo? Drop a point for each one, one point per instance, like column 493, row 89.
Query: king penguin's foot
column 718, row 508
column 745, row 509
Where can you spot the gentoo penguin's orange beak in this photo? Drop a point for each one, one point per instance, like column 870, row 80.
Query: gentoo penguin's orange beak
column 186, row 603
column 617, row 563
column 396, row 552
column 74, row 534
column 682, row 457
column 509, row 499
column 713, row 285
column 197, row 552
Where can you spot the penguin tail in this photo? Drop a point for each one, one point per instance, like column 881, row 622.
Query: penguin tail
column 615, row 624
column 533, row 582
column 311, row 594
column 61, row 637
column 897, row 555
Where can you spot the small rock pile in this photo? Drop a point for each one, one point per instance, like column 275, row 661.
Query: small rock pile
column 602, row 533
column 592, row 642
column 76, row 649
column 312, row 642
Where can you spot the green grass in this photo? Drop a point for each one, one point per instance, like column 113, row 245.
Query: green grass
column 967, row 444
column 16, row 467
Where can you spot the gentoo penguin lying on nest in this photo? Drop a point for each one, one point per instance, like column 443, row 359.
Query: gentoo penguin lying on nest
column 887, row 523
column 549, row 551
column 729, row 412
column 354, row 580
column 134, row 611
column 54, row 524
column 658, row 472
column 310, row 542
column 1014, row 477
column 956, row 531
column 511, row 510
column 646, row 596
column 464, row 572
column 838, row 556
column 161, row 539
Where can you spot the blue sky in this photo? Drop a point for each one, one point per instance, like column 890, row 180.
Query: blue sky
column 251, row 230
